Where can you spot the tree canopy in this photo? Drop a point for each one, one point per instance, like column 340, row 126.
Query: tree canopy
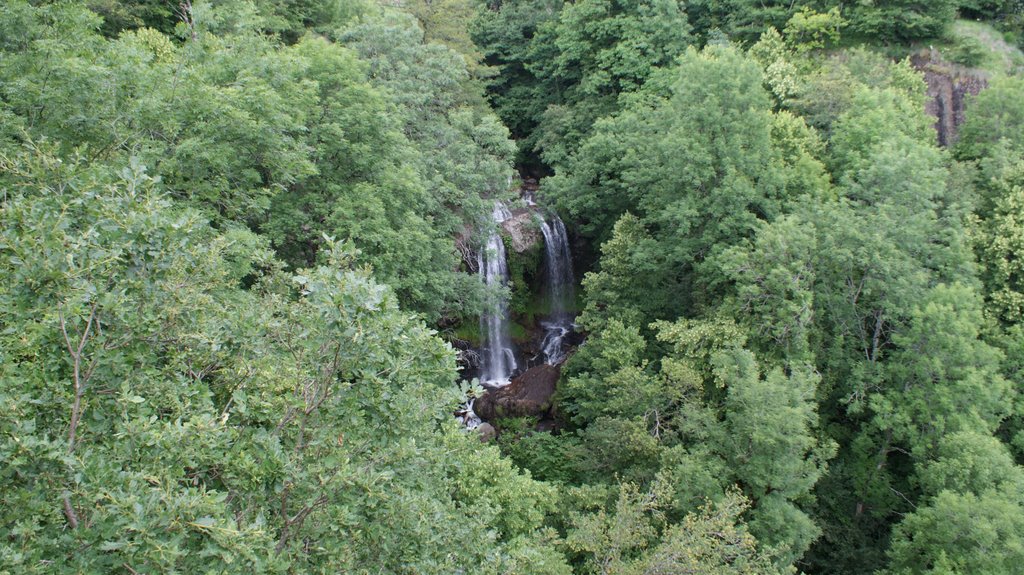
column 241, row 251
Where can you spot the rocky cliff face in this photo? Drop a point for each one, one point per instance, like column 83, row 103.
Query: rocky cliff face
column 948, row 87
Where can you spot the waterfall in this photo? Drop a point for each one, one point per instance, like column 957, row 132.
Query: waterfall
column 560, row 290
column 497, row 356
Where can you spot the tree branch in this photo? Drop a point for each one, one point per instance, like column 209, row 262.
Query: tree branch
column 69, row 510
column 79, row 380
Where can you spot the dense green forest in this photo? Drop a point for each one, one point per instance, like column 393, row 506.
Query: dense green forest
column 237, row 238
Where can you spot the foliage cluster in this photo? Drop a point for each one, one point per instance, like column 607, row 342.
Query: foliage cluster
column 374, row 138
column 221, row 235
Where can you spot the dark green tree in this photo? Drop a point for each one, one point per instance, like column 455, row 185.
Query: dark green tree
column 896, row 21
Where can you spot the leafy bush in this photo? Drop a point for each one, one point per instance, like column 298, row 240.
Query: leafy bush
column 967, row 51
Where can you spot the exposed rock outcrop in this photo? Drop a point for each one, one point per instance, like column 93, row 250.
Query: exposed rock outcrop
column 948, row 87
column 524, row 230
column 529, row 394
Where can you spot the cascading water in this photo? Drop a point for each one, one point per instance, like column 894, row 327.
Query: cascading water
column 497, row 356
column 561, row 291
column 468, row 417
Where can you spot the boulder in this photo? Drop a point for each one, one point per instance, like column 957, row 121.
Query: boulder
column 523, row 230
column 486, row 431
column 529, row 394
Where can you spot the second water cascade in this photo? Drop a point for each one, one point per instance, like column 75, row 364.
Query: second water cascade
column 560, row 290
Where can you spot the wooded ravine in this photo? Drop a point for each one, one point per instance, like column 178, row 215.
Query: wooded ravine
column 531, row 287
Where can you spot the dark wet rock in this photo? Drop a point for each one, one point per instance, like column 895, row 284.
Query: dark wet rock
column 949, row 86
column 547, row 425
column 529, row 394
